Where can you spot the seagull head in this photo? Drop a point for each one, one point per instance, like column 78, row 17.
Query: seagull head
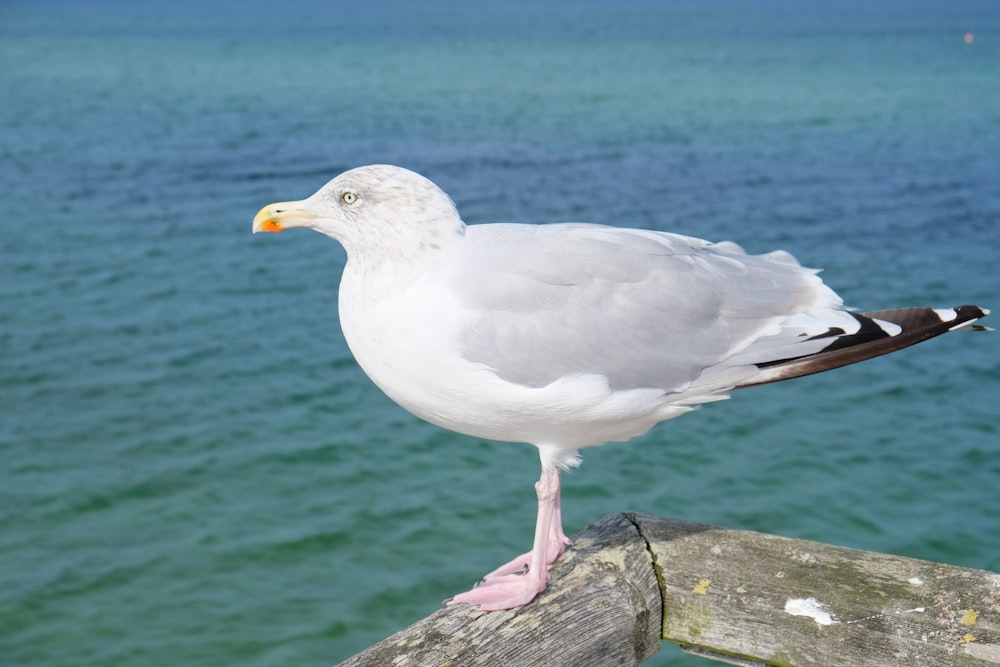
column 371, row 209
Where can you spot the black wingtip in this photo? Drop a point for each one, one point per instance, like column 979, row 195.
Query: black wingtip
column 916, row 325
column 919, row 317
column 969, row 315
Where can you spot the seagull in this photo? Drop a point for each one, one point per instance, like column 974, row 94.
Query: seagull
column 569, row 335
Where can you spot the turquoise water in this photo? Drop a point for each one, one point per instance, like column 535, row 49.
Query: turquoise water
column 193, row 468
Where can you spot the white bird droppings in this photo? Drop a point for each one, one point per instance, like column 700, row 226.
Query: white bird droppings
column 809, row 607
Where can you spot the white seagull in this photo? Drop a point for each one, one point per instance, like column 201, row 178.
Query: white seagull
column 569, row 335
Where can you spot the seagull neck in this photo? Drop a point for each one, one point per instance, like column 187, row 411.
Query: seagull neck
column 388, row 269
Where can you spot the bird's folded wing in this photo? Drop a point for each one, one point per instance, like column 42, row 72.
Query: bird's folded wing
column 643, row 309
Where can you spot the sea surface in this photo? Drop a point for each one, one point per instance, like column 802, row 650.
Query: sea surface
column 194, row 471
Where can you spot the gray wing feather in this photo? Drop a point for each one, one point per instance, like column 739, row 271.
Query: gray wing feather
column 642, row 308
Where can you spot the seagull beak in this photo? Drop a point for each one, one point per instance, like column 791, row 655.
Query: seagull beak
column 280, row 216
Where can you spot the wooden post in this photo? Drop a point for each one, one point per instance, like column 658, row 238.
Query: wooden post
column 602, row 607
column 780, row 601
column 735, row 596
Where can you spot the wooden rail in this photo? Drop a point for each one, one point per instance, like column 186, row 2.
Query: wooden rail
column 735, row 596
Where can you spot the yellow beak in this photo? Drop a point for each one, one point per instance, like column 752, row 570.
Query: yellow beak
column 280, row 216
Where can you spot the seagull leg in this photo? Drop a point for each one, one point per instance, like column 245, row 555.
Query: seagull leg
column 557, row 542
column 520, row 580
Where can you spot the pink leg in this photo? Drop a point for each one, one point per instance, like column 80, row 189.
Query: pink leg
column 557, row 543
column 520, row 580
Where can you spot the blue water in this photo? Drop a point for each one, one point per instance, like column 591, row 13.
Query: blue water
column 192, row 468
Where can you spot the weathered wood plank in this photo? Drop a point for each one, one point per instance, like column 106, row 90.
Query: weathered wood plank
column 602, row 608
column 780, row 601
column 735, row 596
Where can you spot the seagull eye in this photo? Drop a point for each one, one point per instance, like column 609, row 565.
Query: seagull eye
column 348, row 198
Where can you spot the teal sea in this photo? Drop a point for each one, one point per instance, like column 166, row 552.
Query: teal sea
column 194, row 471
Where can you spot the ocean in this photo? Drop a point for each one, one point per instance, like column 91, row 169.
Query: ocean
column 193, row 470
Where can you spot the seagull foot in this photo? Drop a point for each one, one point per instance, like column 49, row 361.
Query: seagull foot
column 502, row 592
column 519, row 565
column 519, row 581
